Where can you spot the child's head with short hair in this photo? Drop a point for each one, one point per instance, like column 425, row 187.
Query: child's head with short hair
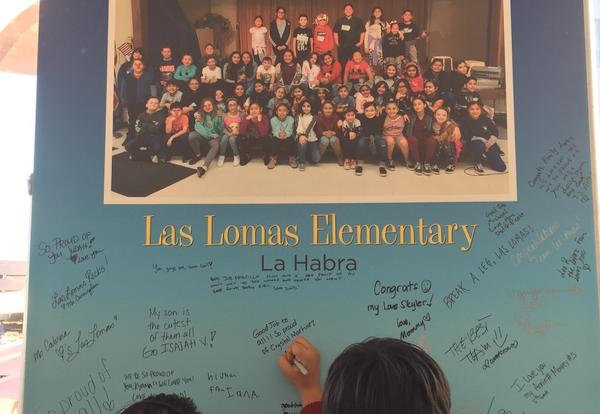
column 437, row 65
column 209, row 49
column 186, row 59
column 258, row 21
column 357, row 56
column 370, row 110
column 430, row 87
column 137, row 66
column 471, row 84
column 350, row 115
column 282, row 111
column 138, row 53
column 395, row 27
column 176, row 109
column 348, row 9
column 171, row 86
column 303, row 20
column 259, row 87
column 418, row 104
column 343, row 92
column 407, row 16
column 288, row 56
column 475, row 109
column 166, row 52
column 152, row 104
column 385, row 376
column 194, row 84
column 322, row 94
column 211, row 62
column 163, row 404
column 267, row 62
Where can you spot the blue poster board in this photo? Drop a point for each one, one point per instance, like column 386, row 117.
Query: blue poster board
column 132, row 299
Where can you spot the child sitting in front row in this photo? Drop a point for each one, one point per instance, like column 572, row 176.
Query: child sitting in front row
column 343, row 101
column 371, row 137
column 447, row 134
column 308, row 142
column 231, row 131
column 177, row 128
column 328, row 131
column 149, row 132
column 282, row 139
column 379, row 375
column 350, row 131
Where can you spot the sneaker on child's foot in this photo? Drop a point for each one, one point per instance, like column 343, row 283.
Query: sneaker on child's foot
column 382, row 172
column 358, row 170
column 236, row 160
column 201, row 171
column 346, row 164
column 479, row 168
column 193, row 160
column 410, row 165
column 272, row 163
column 154, row 159
column 301, row 166
column 221, row 161
column 435, row 169
column 352, row 164
column 427, row 169
column 390, row 165
column 418, row 168
column 450, row 168
column 340, row 162
column 293, row 162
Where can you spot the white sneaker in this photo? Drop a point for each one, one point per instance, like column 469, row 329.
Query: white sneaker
column 221, row 161
column 236, row 160
column 155, row 159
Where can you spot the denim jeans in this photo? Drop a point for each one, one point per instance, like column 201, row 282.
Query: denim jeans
column 199, row 144
column 310, row 149
column 380, row 147
column 492, row 156
column 232, row 140
column 152, row 142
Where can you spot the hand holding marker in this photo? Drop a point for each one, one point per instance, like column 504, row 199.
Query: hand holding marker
column 300, row 364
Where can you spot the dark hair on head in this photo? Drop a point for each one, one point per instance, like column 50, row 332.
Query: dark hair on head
column 328, row 102
column 193, row 78
column 230, row 100
column 175, row 105
column 394, row 23
column 138, row 50
column 368, row 105
column 372, row 18
column 285, row 52
column 434, row 60
column 435, row 83
column 343, row 87
column 458, row 63
column 259, row 17
column 153, row 97
column 209, row 44
column 166, row 47
column 279, row 105
column 172, row 82
column 303, row 15
column 280, row 8
column 408, row 11
column 258, row 82
column 328, row 53
column 212, row 101
column 476, row 103
column 418, row 98
column 380, row 83
column 187, row 54
column 470, row 78
column 304, row 102
column 350, row 110
column 267, row 58
column 385, row 376
column 235, row 52
column 163, row 404
column 349, row 4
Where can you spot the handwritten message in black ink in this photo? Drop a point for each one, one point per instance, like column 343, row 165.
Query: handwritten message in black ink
column 91, row 396
column 501, row 218
column 483, row 344
column 141, row 384
column 484, row 269
column 290, row 407
column 69, row 345
column 72, row 294
column 229, row 385
column 275, row 335
column 173, row 268
column 75, row 249
column 172, row 330
column 534, row 383
column 563, row 172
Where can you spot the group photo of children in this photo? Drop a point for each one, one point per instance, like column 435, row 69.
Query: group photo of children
column 338, row 97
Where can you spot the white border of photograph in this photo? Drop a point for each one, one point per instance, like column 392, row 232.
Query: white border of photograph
column 200, row 197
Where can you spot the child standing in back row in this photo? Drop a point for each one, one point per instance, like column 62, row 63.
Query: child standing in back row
column 412, row 34
column 302, row 39
column 259, row 40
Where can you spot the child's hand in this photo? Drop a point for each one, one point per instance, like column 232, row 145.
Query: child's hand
column 308, row 386
column 259, row 117
column 352, row 135
column 302, row 139
column 340, row 123
column 488, row 145
column 214, row 136
column 170, row 142
column 281, row 134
